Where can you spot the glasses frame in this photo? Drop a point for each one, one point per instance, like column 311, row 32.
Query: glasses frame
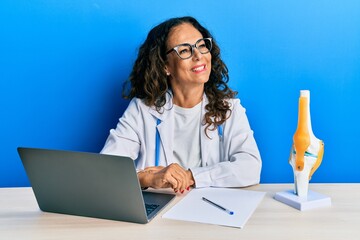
column 192, row 48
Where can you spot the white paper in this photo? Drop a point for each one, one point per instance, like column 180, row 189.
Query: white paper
column 192, row 208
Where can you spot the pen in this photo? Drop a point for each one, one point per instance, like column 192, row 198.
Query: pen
column 218, row 206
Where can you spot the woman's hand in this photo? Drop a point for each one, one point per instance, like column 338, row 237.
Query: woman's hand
column 173, row 176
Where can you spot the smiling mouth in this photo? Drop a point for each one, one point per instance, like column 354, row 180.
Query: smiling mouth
column 199, row 68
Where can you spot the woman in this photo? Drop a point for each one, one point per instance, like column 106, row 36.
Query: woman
column 183, row 126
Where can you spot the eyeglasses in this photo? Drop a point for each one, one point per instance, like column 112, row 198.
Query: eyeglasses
column 186, row 50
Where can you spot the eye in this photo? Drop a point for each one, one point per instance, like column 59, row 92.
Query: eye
column 184, row 51
column 202, row 46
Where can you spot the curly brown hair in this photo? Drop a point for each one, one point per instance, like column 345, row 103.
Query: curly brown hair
column 149, row 82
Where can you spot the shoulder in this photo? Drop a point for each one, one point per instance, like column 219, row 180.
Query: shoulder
column 135, row 108
column 235, row 104
column 137, row 104
column 237, row 111
column 233, row 101
column 140, row 104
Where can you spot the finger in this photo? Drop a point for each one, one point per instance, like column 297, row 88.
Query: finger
column 168, row 176
column 190, row 178
column 174, row 178
column 180, row 179
column 160, row 181
column 172, row 181
column 179, row 182
column 174, row 175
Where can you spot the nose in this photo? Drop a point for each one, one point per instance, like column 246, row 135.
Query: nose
column 196, row 54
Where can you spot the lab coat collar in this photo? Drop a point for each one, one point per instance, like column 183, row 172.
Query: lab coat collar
column 166, row 110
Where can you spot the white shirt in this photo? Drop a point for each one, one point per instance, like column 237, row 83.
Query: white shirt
column 187, row 136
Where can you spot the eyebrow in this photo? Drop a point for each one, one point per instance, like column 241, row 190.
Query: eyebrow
column 188, row 42
column 180, row 44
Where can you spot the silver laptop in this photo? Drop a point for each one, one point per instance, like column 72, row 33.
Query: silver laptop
column 90, row 184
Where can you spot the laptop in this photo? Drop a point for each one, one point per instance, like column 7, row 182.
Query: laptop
column 90, row 185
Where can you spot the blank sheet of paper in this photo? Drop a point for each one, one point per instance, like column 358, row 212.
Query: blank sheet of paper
column 192, row 208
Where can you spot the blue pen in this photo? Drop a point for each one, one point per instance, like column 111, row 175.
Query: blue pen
column 218, row 206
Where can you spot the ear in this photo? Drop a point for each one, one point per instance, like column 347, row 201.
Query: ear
column 167, row 71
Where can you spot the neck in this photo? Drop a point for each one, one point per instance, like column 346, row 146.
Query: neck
column 188, row 98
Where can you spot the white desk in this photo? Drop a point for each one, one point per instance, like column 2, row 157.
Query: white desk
column 20, row 218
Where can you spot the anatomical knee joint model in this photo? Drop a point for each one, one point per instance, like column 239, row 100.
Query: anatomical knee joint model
column 307, row 151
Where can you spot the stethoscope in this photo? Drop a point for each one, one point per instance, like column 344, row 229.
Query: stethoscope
column 157, row 141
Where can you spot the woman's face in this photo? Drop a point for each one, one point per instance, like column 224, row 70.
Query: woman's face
column 193, row 71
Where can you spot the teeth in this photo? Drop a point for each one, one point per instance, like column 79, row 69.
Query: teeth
column 198, row 68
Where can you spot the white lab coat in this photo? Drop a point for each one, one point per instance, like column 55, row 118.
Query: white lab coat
column 239, row 164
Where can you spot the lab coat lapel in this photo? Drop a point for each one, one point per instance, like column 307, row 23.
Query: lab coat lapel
column 205, row 140
column 166, row 131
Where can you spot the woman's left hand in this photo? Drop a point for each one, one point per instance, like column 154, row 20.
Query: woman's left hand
column 173, row 176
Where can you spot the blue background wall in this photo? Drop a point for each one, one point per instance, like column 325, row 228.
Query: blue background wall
column 62, row 64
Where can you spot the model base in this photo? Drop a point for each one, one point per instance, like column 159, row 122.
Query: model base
column 314, row 200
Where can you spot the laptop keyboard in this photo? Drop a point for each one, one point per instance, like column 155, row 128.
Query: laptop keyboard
column 150, row 208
